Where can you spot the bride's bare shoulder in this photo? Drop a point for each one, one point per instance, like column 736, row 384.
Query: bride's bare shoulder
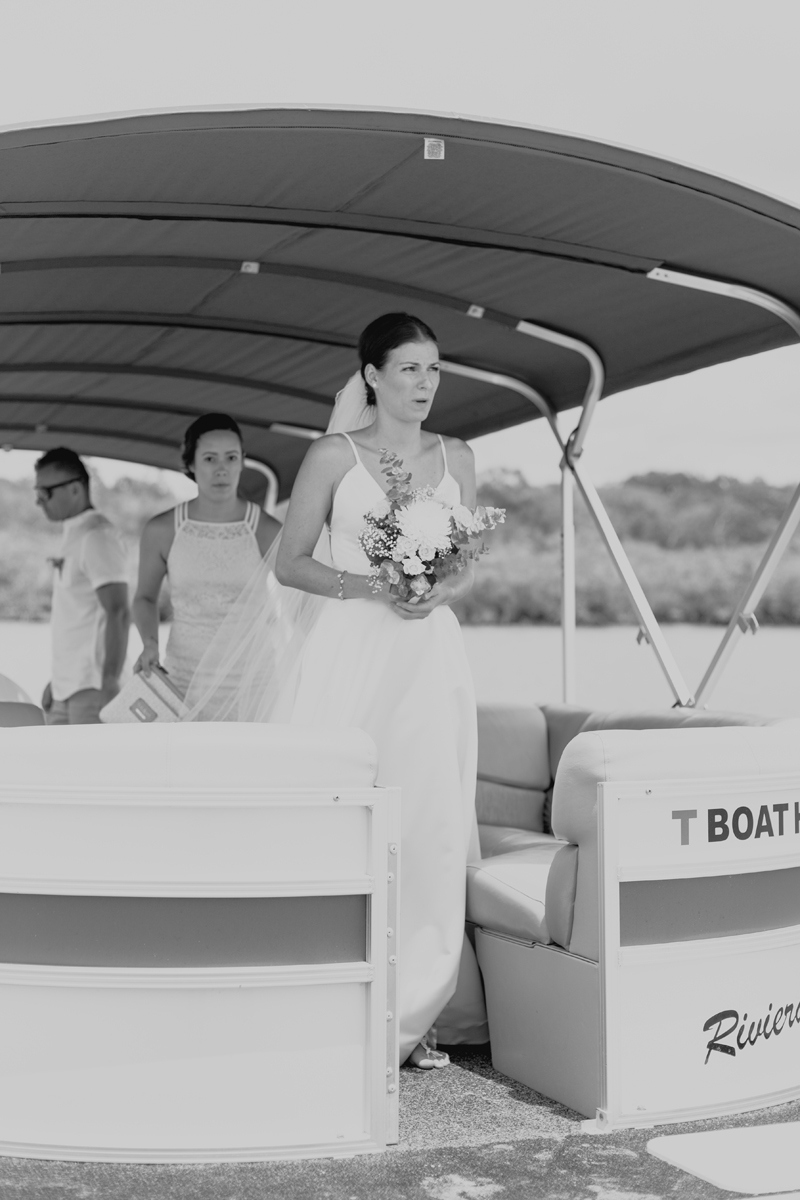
column 329, row 455
column 459, row 453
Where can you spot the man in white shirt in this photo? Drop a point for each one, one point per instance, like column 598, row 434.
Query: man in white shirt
column 90, row 615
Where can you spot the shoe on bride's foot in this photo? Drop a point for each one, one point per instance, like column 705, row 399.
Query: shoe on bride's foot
column 426, row 1059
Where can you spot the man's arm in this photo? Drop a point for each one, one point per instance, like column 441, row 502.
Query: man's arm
column 114, row 599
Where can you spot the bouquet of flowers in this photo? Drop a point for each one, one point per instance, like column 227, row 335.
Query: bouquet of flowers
column 413, row 540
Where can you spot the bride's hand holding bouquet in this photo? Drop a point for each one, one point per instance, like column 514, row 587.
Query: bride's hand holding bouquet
column 419, row 548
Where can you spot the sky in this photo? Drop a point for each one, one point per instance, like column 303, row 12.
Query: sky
column 712, row 83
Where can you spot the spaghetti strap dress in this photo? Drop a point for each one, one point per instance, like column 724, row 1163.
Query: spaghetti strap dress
column 408, row 684
column 208, row 565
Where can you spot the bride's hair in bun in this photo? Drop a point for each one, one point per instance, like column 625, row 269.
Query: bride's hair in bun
column 386, row 334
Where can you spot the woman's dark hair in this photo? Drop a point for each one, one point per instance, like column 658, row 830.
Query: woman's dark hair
column 208, row 423
column 385, row 334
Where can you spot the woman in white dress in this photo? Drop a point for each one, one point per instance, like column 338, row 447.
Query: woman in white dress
column 336, row 653
column 208, row 548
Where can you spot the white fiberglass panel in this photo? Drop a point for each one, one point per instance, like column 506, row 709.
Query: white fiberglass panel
column 162, row 847
column 712, row 1024
column 707, row 827
column 118, row 1070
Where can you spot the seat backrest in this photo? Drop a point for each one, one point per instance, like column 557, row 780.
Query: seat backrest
column 520, row 747
column 187, row 755
column 646, row 755
column 566, row 721
column 14, row 713
column 513, row 766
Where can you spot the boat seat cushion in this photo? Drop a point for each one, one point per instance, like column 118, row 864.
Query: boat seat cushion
column 513, row 766
column 498, row 839
column 507, row 894
column 566, row 721
column 506, row 805
column 195, row 754
column 671, row 718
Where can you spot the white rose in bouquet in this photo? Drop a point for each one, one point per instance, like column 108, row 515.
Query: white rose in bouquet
column 413, row 565
column 381, row 509
column 404, row 547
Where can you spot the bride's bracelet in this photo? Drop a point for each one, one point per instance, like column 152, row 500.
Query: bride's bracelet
column 341, row 575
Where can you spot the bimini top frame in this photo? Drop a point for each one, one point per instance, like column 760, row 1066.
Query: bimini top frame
column 160, row 265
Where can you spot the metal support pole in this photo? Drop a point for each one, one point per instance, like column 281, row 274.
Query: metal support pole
column 568, row 605
column 572, row 450
column 646, row 616
column 597, row 377
column 298, row 431
column 568, row 621
column 510, row 384
column 735, row 291
column 649, row 628
column 743, row 614
column 271, row 498
column 574, row 447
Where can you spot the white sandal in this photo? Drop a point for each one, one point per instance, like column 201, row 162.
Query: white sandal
column 428, row 1059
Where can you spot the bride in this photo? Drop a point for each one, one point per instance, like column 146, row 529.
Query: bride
column 357, row 657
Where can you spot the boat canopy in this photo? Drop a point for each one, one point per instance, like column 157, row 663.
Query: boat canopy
column 157, row 266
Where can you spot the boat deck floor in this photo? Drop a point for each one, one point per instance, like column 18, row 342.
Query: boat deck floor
column 466, row 1133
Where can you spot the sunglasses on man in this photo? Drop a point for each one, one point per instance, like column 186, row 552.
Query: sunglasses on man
column 45, row 493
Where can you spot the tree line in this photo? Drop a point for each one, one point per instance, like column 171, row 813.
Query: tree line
column 693, row 543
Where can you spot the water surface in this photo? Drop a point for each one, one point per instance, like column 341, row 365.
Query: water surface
column 521, row 664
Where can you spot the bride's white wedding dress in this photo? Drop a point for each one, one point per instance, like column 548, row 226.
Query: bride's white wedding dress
column 408, row 684
column 288, row 656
